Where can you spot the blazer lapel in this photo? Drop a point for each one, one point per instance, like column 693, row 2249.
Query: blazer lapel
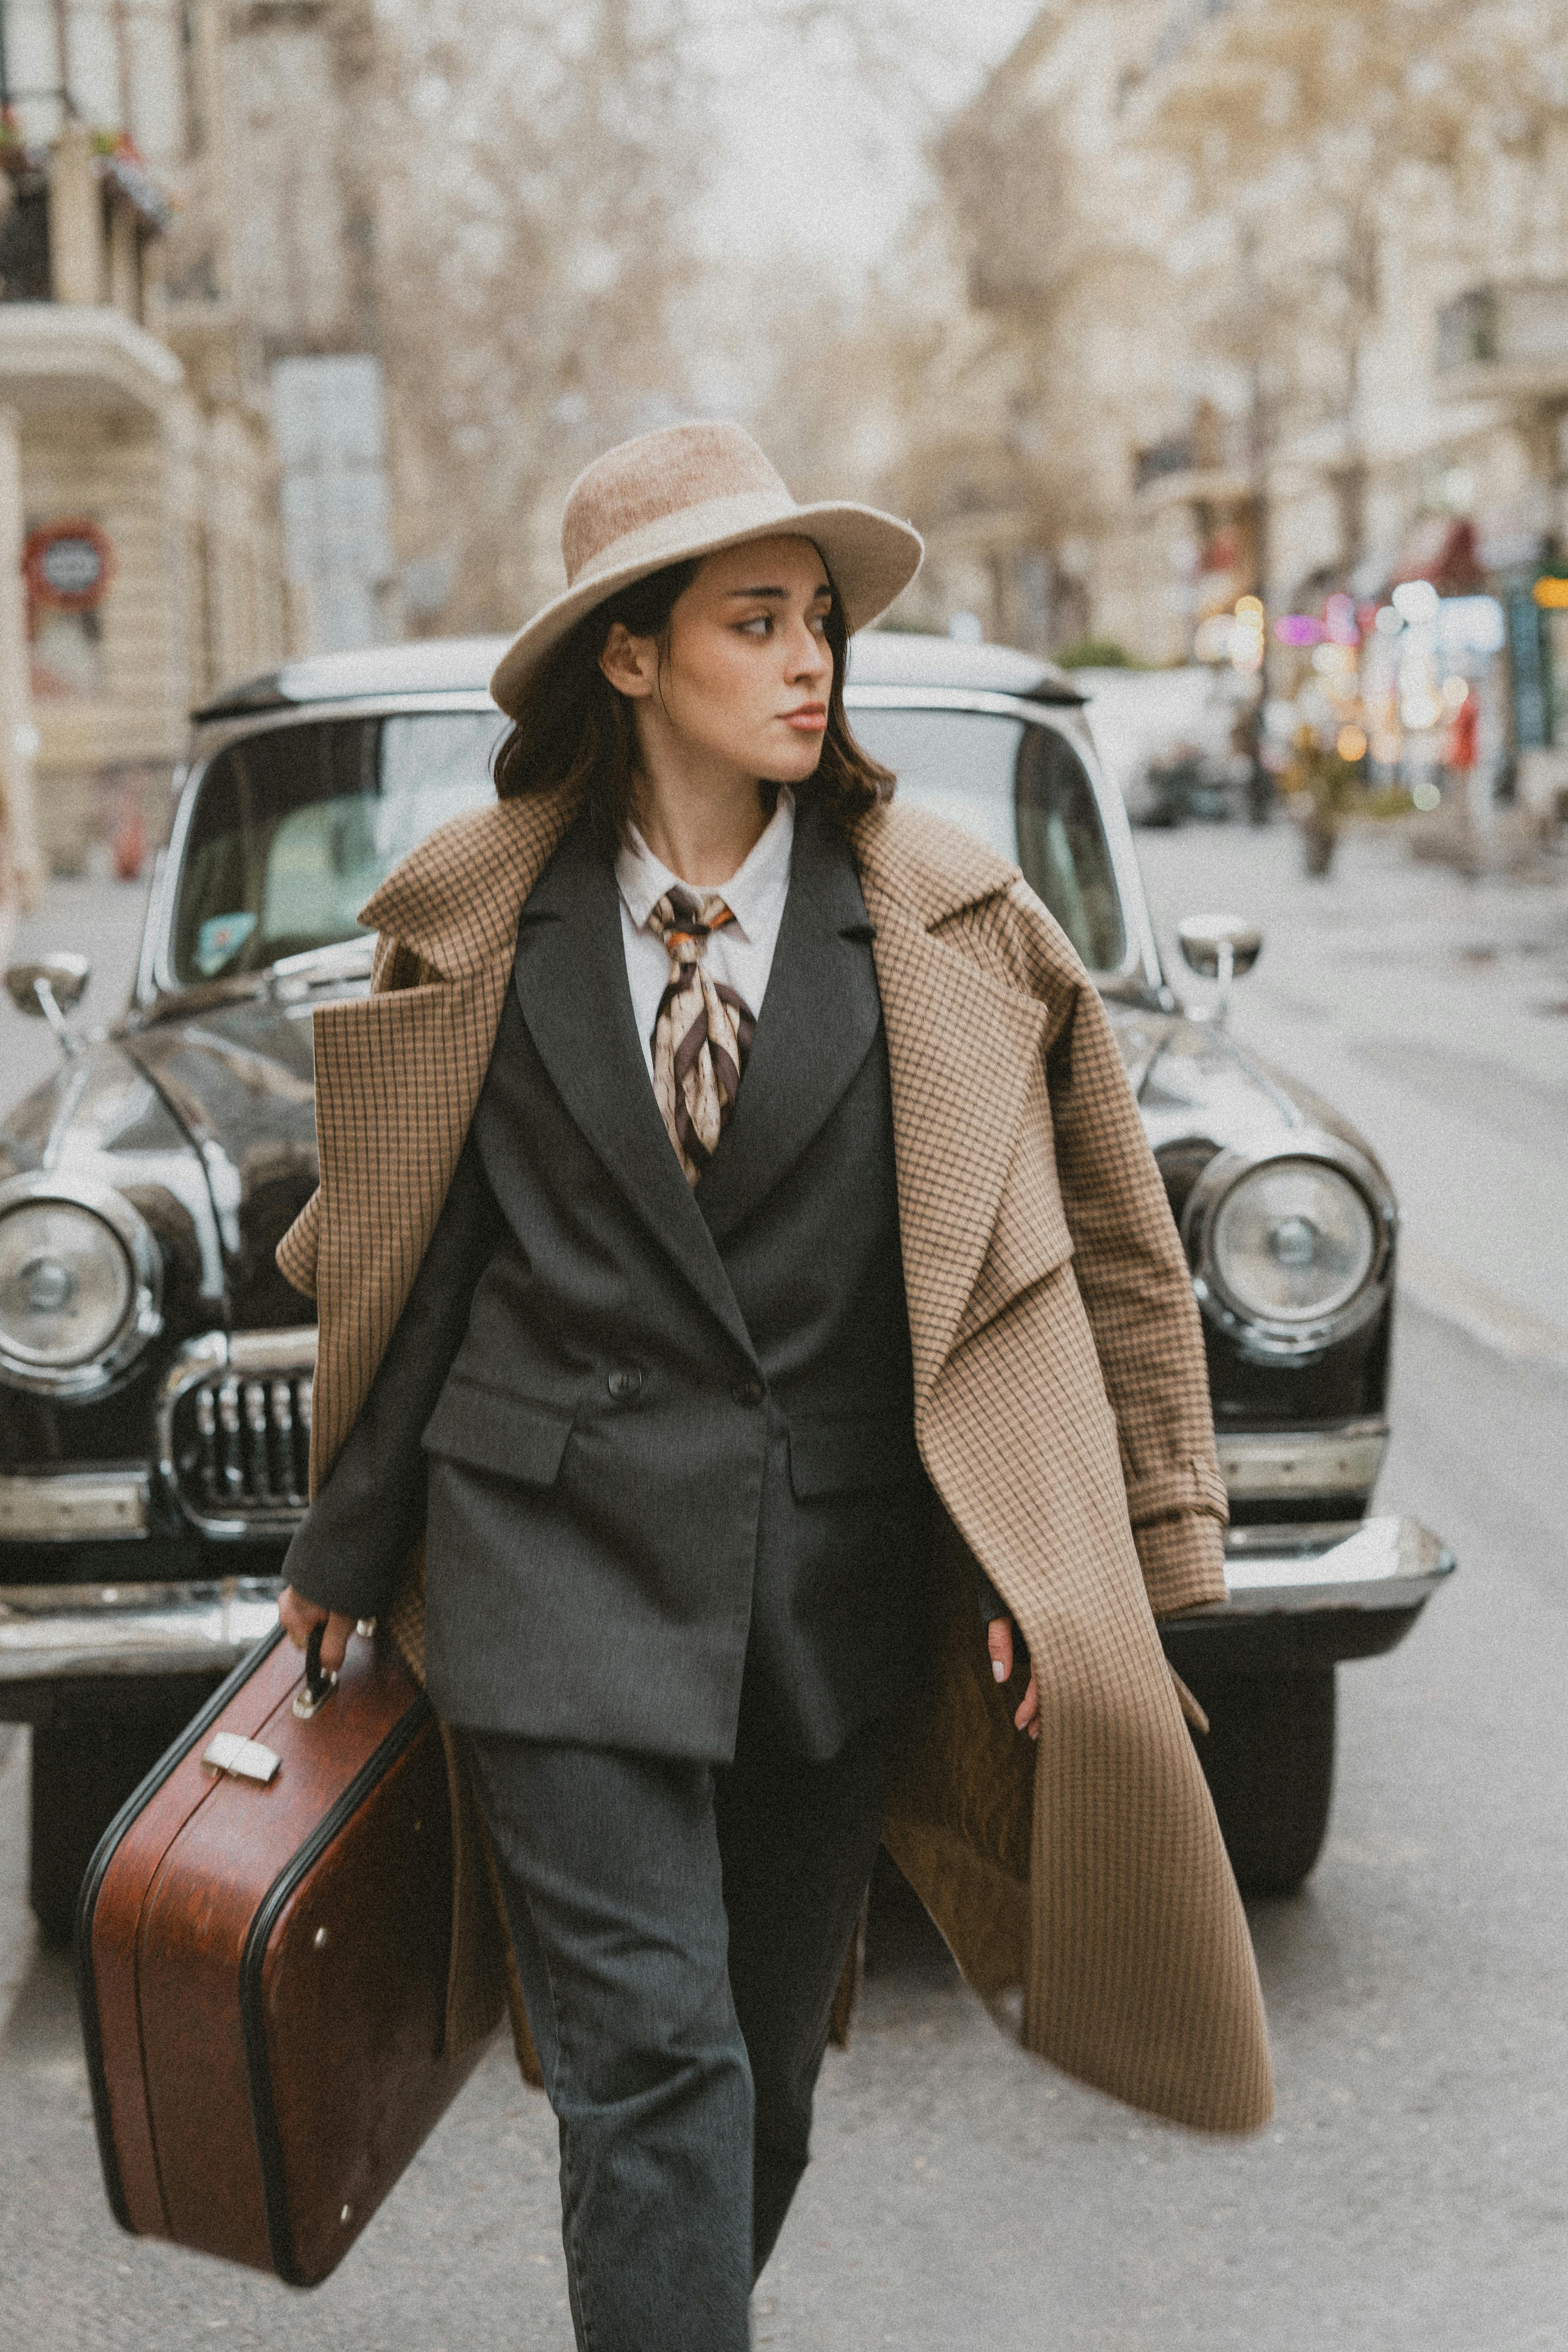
column 818, row 1021
column 571, row 980
column 961, row 1047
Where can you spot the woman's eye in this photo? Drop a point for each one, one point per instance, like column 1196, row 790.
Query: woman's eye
column 760, row 626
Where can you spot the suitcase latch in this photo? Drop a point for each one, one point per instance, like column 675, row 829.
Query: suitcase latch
column 248, row 1760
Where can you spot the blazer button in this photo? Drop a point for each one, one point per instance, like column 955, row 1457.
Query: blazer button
column 626, row 1382
column 748, row 1391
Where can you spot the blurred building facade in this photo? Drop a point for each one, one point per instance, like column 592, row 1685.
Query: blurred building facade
column 138, row 541
column 193, row 475
column 1266, row 297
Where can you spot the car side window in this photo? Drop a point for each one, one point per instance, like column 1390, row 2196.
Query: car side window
column 294, row 827
column 1023, row 790
column 1062, row 850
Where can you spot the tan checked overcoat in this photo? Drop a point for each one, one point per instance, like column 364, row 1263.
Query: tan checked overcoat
column 1061, row 1409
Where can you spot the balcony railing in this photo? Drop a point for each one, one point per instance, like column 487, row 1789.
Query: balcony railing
column 77, row 211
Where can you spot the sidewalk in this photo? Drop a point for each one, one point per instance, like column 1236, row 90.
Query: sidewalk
column 1432, row 1013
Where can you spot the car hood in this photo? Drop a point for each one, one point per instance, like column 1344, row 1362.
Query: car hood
column 206, row 1122
column 1194, row 1083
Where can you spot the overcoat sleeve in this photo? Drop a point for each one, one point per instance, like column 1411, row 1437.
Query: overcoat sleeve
column 350, row 1552
column 351, row 1547
column 1136, row 1289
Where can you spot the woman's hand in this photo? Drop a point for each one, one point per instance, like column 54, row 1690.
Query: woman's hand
column 297, row 1616
column 999, row 1642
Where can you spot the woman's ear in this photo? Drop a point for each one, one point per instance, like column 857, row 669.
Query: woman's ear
column 631, row 664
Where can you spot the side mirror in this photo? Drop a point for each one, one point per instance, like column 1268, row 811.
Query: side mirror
column 1219, row 947
column 50, row 987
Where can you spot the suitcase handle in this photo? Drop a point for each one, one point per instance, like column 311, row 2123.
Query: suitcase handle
column 319, row 1684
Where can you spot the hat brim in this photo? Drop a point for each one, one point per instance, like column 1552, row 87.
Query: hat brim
column 872, row 557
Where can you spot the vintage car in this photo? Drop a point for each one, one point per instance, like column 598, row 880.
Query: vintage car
column 155, row 1369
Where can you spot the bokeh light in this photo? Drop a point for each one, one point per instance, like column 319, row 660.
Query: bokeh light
column 1417, row 600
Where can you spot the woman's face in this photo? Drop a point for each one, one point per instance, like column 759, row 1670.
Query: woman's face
column 743, row 685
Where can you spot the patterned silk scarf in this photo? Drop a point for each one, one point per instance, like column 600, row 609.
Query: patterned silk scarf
column 702, row 1035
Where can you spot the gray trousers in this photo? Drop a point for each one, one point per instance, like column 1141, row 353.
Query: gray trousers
column 679, row 1931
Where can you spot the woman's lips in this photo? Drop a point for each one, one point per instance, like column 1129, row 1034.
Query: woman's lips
column 809, row 720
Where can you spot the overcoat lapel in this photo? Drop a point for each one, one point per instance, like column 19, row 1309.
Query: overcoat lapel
column 571, row 980
column 961, row 1047
column 817, row 1024
column 398, row 1078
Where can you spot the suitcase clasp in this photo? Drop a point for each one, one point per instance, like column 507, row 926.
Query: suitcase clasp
column 248, row 1760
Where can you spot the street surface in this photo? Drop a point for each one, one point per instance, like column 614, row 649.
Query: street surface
column 1412, row 2195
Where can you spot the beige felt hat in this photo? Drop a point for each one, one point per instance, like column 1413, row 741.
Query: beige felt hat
column 687, row 491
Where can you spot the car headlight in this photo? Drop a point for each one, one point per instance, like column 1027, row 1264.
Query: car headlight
column 78, row 1283
column 1294, row 1242
column 1290, row 1248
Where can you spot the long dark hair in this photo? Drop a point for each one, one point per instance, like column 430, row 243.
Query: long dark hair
column 574, row 727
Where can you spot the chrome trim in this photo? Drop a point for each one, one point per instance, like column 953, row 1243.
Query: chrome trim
column 1256, row 1334
column 144, row 1318
column 1382, row 1563
column 248, row 1357
column 1342, row 1460
column 49, row 1633
column 74, row 1505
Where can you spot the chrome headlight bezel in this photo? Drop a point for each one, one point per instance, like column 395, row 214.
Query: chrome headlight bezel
column 1277, row 1339
column 143, row 1318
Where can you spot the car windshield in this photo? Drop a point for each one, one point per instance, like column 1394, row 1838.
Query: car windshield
column 1021, row 787
column 293, row 828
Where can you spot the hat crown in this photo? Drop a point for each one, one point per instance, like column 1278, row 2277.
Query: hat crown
column 658, row 475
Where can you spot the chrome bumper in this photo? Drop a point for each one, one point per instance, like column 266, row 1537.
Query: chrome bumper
column 1384, row 1563
column 53, row 1631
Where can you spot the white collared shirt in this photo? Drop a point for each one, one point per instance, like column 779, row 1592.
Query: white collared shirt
column 741, row 954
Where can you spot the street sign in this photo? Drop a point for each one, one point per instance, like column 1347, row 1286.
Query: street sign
column 68, row 565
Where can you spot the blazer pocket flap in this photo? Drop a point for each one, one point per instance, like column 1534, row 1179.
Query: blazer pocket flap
column 848, row 1453
column 490, row 1429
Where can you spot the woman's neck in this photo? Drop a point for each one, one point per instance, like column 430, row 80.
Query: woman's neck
column 703, row 827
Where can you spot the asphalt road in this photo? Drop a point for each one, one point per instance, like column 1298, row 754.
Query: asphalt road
column 1412, row 2195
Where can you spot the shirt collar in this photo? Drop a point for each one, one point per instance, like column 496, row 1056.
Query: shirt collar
column 753, row 894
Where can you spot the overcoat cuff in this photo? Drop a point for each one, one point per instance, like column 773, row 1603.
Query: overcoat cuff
column 296, row 1253
column 1182, row 1561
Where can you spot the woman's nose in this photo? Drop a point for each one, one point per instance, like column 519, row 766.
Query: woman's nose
column 812, row 656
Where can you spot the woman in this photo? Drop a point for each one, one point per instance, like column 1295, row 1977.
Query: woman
column 736, row 1246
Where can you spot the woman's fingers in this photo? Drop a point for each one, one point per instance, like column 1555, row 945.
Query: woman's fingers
column 297, row 1616
column 335, row 1641
column 999, row 1642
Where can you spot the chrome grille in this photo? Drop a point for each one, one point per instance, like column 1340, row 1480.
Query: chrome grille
column 235, row 1430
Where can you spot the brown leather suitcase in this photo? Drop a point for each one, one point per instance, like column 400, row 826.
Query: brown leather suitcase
column 262, row 1947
